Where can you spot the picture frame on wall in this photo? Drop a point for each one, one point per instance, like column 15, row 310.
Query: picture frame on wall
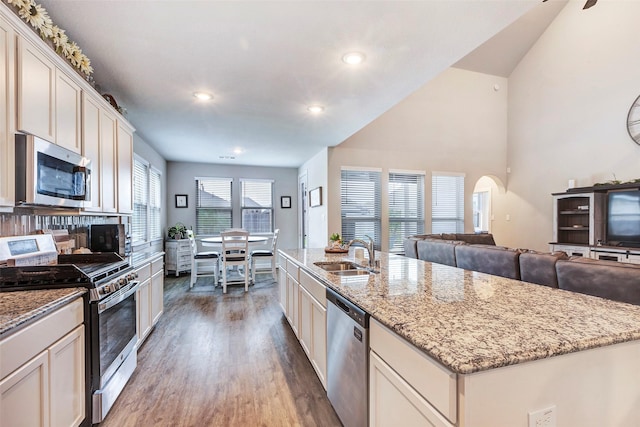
column 315, row 197
column 285, row 202
column 182, row 201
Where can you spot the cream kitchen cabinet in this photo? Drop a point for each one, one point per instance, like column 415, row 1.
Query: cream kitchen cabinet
column 91, row 148
column 406, row 387
column 7, row 114
column 143, row 303
column 313, row 323
column 108, row 166
column 68, row 109
column 43, row 371
column 282, row 283
column 157, row 290
column 292, row 296
column 36, row 91
column 124, row 168
column 149, row 298
column 179, row 255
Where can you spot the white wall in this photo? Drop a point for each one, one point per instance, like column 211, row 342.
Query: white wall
column 315, row 170
column 456, row 123
column 181, row 180
column 568, row 103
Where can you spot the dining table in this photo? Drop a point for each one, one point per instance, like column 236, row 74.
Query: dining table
column 234, row 276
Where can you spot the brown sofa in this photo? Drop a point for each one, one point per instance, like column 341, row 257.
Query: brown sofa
column 411, row 243
column 438, row 251
column 540, row 267
column 607, row 279
column 496, row 260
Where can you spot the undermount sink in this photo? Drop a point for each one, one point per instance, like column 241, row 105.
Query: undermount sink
column 344, row 268
column 339, row 266
column 358, row 272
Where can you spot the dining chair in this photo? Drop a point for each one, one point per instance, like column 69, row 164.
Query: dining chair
column 235, row 252
column 266, row 254
column 202, row 259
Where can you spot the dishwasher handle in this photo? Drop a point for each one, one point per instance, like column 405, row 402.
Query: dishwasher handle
column 360, row 316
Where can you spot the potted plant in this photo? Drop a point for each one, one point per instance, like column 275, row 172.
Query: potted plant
column 178, row 231
column 335, row 241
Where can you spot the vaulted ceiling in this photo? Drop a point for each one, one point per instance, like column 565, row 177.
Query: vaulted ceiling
column 265, row 62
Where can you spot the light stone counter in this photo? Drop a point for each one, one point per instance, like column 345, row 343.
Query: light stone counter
column 471, row 321
column 22, row 307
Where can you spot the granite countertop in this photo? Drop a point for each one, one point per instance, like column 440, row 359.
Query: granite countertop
column 139, row 258
column 20, row 307
column 471, row 321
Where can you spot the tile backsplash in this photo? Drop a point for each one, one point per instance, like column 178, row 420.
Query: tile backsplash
column 12, row 224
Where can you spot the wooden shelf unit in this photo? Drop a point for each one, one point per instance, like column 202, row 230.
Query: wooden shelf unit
column 578, row 218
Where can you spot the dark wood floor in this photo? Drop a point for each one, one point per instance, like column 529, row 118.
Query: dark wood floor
column 222, row 360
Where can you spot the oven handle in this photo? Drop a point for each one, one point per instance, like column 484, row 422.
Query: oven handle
column 118, row 297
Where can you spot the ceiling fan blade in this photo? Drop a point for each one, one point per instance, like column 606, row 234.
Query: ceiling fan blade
column 589, row 3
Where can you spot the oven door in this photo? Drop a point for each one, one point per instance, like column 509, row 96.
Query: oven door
column 116, row 329
column 114, row 349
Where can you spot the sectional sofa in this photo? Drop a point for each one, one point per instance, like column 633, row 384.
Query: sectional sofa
column 478, row 252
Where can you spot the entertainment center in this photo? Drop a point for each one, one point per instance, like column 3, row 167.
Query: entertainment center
column 600, row 222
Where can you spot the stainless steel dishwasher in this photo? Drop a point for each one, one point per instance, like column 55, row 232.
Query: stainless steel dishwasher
column 348, row 360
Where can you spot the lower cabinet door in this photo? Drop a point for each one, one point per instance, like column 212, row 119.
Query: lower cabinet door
column 157, row 297
column 66, row 363
column 282, row 285
column 24, row 395
column 393, row 402
column 306, row 322
column 143, row 296
column 319, row 339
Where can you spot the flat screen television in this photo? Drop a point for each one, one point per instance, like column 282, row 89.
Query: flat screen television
column 623, row 218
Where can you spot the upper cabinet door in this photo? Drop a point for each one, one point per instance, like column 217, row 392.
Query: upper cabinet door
column 36, row 92
column 7, row 114
column 125, row 169
column 108, row 161
column 91, row 148
column 68, row 95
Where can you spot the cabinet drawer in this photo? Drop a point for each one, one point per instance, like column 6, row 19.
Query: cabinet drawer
column 26, row 343
column 292, row 269
column 315, row 288
column 156, row 265
column 144, row 272
column 430, row 379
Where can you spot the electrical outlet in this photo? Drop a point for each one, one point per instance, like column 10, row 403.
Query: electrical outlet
column 543, row 418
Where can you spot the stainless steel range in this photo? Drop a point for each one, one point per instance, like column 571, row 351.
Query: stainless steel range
column 111, row 319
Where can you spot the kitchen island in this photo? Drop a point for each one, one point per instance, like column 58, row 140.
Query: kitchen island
column 473, row 349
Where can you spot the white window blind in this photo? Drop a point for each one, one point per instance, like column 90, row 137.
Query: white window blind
column 213, row 205
column 155, row 204
column 360, row 205
column 447, row 203
column 406, row 208
column 140, row 202
column 257, row 205
column 147, row 202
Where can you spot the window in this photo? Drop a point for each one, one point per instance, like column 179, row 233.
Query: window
column 257, row 205
column 406, row 208
column 213, row 205
column 447, row 203
column 481, row 210
column 147, row 202
column 360, row 205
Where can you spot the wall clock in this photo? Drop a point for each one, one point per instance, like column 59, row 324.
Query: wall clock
column 633, row 121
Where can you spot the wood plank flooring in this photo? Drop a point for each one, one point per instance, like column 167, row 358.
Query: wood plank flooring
column 222, row 360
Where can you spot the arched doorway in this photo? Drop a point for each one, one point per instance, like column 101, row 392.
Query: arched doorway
column 486, row 188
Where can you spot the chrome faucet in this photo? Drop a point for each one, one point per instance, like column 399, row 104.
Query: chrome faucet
column 370, row 248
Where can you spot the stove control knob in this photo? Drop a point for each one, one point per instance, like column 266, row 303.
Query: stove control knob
column 105, row 290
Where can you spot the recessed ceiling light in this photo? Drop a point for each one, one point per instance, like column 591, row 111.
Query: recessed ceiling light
column 238, row 151
column 353, row 58
column 315, row 109
column 203, row 96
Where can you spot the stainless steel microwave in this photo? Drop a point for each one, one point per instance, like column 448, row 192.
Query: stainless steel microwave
column 50, row 175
